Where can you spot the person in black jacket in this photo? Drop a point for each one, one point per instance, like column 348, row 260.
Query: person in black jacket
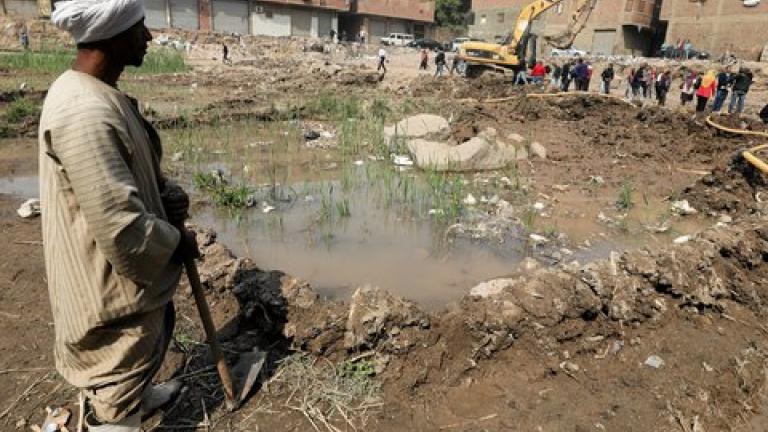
column 723, row 82
column 607, row 76
column 741, row 84
column 565, row 76
column 764, row 114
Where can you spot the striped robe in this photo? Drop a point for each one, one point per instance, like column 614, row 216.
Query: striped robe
column 108, row 246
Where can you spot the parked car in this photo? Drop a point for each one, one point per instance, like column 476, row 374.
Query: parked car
column 426, row 43
column 397, row 39
column 570, row 52
column 456, row 43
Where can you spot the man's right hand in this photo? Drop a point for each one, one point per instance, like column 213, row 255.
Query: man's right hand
column 187, row 247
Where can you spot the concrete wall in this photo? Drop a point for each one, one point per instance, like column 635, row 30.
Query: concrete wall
column 718, row 26
column 339, row 5
column 412, row 10
column 22, row 8
column 272, row 19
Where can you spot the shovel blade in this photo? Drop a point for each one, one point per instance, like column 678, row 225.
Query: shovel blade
column 246, row 372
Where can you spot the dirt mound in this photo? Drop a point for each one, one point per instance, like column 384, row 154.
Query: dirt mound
column 734, row 188
column 488, row 86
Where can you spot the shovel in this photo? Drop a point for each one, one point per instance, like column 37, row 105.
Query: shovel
column 247, row 369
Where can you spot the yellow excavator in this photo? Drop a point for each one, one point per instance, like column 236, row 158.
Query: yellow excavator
column 476, row 57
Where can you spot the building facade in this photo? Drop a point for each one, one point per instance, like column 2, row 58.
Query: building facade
column 304, row 18
column 614, row 27
column 717, row 26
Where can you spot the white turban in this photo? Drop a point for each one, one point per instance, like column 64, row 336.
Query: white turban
column 95, row 20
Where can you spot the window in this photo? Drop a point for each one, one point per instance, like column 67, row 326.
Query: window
column 268, row 14
column 500, row 17
column 483, row 19
column 628, row 7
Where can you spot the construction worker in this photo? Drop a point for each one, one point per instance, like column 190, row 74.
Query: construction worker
column 112, row 248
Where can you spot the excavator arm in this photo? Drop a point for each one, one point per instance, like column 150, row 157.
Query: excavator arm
column 565, row 39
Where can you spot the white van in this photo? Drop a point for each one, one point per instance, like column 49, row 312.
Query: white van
column 397, row 39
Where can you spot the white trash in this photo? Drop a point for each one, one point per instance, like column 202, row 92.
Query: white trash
column 29, row 209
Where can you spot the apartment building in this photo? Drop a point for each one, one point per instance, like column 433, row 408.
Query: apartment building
column 614, row 27
column 718, row 26
column 493, row 20
column 306, row 18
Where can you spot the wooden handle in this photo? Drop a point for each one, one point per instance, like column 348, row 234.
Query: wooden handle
column 210, row 330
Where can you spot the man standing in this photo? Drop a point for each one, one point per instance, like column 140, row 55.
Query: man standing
column 607, row 76
column 224, row 53
column 112, row 251
column 565, row 76
column 741, row 84
column 439, row 63
column 581, row 75
column 538, row 72
column 723, row 82
column 382, row 60
column 24, row 37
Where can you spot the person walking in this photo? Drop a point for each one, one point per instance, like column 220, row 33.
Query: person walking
column 565, row 76
column 424, row 65
column 606, row 77
column 24, row 38
column 662, row 85
column 741, row 85
column 225, row 53
column 112, row 223
column 439, row 63
column 590, row 71
column 382, row 60
column 455, row 64
column 723, row 83
column 645, row 80
column 705, row 91
column 688, row 87
column 538, row 72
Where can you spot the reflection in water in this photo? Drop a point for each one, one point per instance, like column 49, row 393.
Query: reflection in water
column 21, row 186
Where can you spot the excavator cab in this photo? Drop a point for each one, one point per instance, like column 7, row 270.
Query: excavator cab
column 510, row 56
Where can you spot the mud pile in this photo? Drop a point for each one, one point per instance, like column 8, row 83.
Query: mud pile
column 737, row 189
column 488, row 86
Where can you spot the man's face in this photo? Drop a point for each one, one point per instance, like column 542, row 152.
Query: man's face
column 131, row 45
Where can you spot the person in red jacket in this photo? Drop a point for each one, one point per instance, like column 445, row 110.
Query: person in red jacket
column 706, row 90
column 538, row 73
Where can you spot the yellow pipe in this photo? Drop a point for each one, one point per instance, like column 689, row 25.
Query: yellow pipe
column 749, row 156
column 736, row 131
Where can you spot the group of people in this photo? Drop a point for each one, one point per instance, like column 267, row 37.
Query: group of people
column 717, row 86
column 649, row 82
column 441, row 62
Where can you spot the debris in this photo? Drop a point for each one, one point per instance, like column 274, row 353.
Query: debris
column 569, row 367
column 358, row 163
column 515, row 137
column 491, row 288
column 538, row 238
column 682, row 239
column 470, row 200
column 538, row 150
column 596, row 180
column 683, row 208
column 483, row 152
column 417, row 126
column 177, row 157
column 56, row 419
column 401, row 160
column 707, row 367
column 654, row 361
column 29, row 209
column 539, row 206
column 266, row 208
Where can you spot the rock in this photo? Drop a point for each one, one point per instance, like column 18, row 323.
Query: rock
column 538, row 150
column 530, row 265
column 417, row 126
column 483, row 152
column 682, row 239
column 516, row 137
column 29, row 208
column 373, row 312
column 683, row 208
column 654, row 361
column 491, row 288
column 569, row 367
column 311, row 135
column 537, row 239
